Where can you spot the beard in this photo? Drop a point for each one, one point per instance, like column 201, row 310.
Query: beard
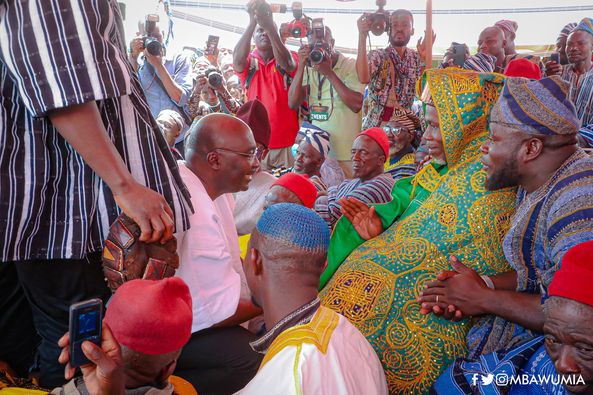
column 399, row 43
column 507, row 176
column 395, row 148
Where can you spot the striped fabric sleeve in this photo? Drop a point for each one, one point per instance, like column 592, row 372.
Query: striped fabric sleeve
column 586, row 132
column 570, row 221
column 58, row 54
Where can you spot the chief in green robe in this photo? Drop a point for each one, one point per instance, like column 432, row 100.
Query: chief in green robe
column 376, row 287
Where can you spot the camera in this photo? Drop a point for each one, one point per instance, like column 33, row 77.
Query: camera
column 214, row 77
column 379, row 19
column 319, row 48
column 300, row 26
column 151, row 44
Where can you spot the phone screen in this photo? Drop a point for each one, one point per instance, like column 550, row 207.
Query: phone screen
column 85, row 324
column 88, row 323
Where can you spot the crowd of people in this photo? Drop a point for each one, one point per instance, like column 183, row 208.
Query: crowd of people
column 261, row 220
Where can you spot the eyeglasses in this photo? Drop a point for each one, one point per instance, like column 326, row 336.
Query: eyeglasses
column 394, row 130
column 249, row 155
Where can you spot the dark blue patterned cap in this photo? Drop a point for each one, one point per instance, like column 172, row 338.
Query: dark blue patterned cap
column 294, row 226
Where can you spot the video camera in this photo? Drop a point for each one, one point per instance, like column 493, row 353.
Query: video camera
column 300, row 26
column 320, row 50
column 379, row 19
column 151, row 44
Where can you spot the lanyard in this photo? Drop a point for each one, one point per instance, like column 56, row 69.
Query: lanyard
column 320, row 82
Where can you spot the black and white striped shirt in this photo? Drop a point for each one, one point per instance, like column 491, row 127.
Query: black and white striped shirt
column 54, row 54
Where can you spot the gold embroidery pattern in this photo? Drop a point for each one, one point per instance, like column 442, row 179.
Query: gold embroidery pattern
column 317, row 332
column 448, row 215
column 460, row 217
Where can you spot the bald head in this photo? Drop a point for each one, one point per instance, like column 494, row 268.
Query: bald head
column 215, row 131
column 221, row 151
column 492, row 42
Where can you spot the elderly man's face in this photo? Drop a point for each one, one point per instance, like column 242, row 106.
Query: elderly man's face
column 569, row 341
column 491, row 42
column 433, row 136
column 399, row 138
column 500, row 157
column 307, row 160
column 279, row 194
column 368, row 159
column 579, row 46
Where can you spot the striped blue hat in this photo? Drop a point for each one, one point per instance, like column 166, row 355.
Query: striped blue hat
column 315, row 136
column 586, row 24
column 536, row 107
column 294, row 226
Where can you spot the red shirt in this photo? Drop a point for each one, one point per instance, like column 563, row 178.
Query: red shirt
column 267, row 85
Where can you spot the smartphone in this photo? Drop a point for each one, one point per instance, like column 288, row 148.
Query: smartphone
column 212, row 45
column 85, row 324
column 458, row 54
column 555, row 57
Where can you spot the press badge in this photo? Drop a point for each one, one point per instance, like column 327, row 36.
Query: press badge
column 319, row 113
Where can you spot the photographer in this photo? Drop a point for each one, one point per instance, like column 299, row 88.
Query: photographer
column 390, row 73
column 210, row 95
column 329, row 80
column 266, row 73
column 165, row 77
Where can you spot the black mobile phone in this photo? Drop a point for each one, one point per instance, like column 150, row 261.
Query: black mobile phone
column 212, row 45
column 458, row 54
column 555, row 57
column 85, row 324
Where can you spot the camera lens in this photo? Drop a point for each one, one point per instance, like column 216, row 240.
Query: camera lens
column 214, row 80
column 317, row 56
column 153, row 46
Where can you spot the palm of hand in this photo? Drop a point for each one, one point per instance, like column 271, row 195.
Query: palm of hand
column 367, row 224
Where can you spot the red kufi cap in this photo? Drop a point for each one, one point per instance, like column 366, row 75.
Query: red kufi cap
column 574, row 278
column 301, row 186
column 380, row 138
column 151, row 317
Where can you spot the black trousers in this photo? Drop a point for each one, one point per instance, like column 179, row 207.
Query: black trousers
column 50, row 287
column 18, row 338
column 219, row 360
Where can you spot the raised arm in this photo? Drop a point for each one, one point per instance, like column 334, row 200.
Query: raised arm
column 297, row 92
column 362, row 62
column 243, row 46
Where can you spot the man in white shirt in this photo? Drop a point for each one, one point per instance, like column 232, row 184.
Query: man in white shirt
column 220, row 159
column 309, row 349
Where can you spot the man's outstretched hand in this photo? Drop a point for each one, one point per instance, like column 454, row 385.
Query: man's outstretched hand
column 105, row 374
column 363, row 218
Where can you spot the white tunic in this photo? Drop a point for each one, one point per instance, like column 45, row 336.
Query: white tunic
column 326, row 356
column 208, row 255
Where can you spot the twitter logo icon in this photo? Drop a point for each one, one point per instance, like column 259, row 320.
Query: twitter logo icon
column 487, row 380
